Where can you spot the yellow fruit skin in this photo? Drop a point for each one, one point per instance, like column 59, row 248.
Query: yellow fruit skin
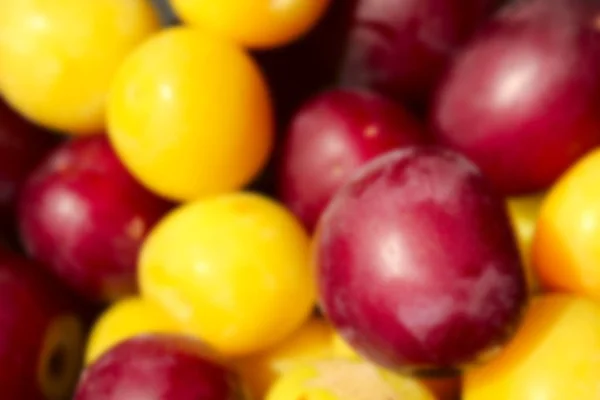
column 123, row 320
column 313, row 341
column 292, row 386
column 566, row 245
column 232, row 269
column 59, row 56
column 555, row 355
column 190, row 115
column 345, row 380
column 257, row 23
column 444, row 388
column 342, row 349
column 524, row 212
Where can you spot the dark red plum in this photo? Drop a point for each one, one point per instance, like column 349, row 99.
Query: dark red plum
column 157, row 367
column 299, row 71
column 22, row 146
column 331, row 136
column 523, row 99
column 402, row 47
column 417, row 265
column 83, row 216
column 41, row 333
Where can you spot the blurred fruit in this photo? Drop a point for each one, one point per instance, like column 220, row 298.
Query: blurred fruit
column 258, row 23
column 341, row 348
column 345, row 380
column 566, row 245
column 165, row 367
column 22, row 147
column 417, row 265
column 554, row 356
column 187, row 127
column 84, row 217
column 444, row 387
column 123, row 320
column 402, row 47
column 41, row 334
column 232, row 269
column 59, row 56
column 312, row 342
column 521, row 101
column 524, row 212
column 322, row 47
column 329, row 138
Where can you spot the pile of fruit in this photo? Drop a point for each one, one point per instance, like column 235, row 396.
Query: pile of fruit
column 300, row 199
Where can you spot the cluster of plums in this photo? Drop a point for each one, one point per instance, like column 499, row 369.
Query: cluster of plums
column 301, row 199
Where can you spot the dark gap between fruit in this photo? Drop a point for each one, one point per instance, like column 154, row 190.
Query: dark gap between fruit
column 57, row 362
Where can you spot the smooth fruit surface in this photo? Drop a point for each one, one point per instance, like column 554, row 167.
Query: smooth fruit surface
column 417, row 265
column 59, row 56
column 41, row 334
column 186, row 127
column 524, row 212
column 313, row 341
column 84, row 217
column 165, row 367
column 566, row 245
column 258, row 23
column 345, row 380
column 403, row 47
column 124, row 320
column 331, row 136
column 555, row 355
column 232, row 270
column 521, row 100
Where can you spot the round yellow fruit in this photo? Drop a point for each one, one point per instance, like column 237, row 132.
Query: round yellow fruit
column 345, row 380
column 566, row 245
column 313, row 341
column 190, row 115
column 59, row 56
column 256, row 23
column 555, row 355
column 123, row 320
column 232, row 269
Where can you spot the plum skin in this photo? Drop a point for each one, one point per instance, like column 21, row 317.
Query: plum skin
column 402, row 48
column 522, row 99
column 333, row 134
column 83, row 216
column 417, row 266
column 158, row 366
